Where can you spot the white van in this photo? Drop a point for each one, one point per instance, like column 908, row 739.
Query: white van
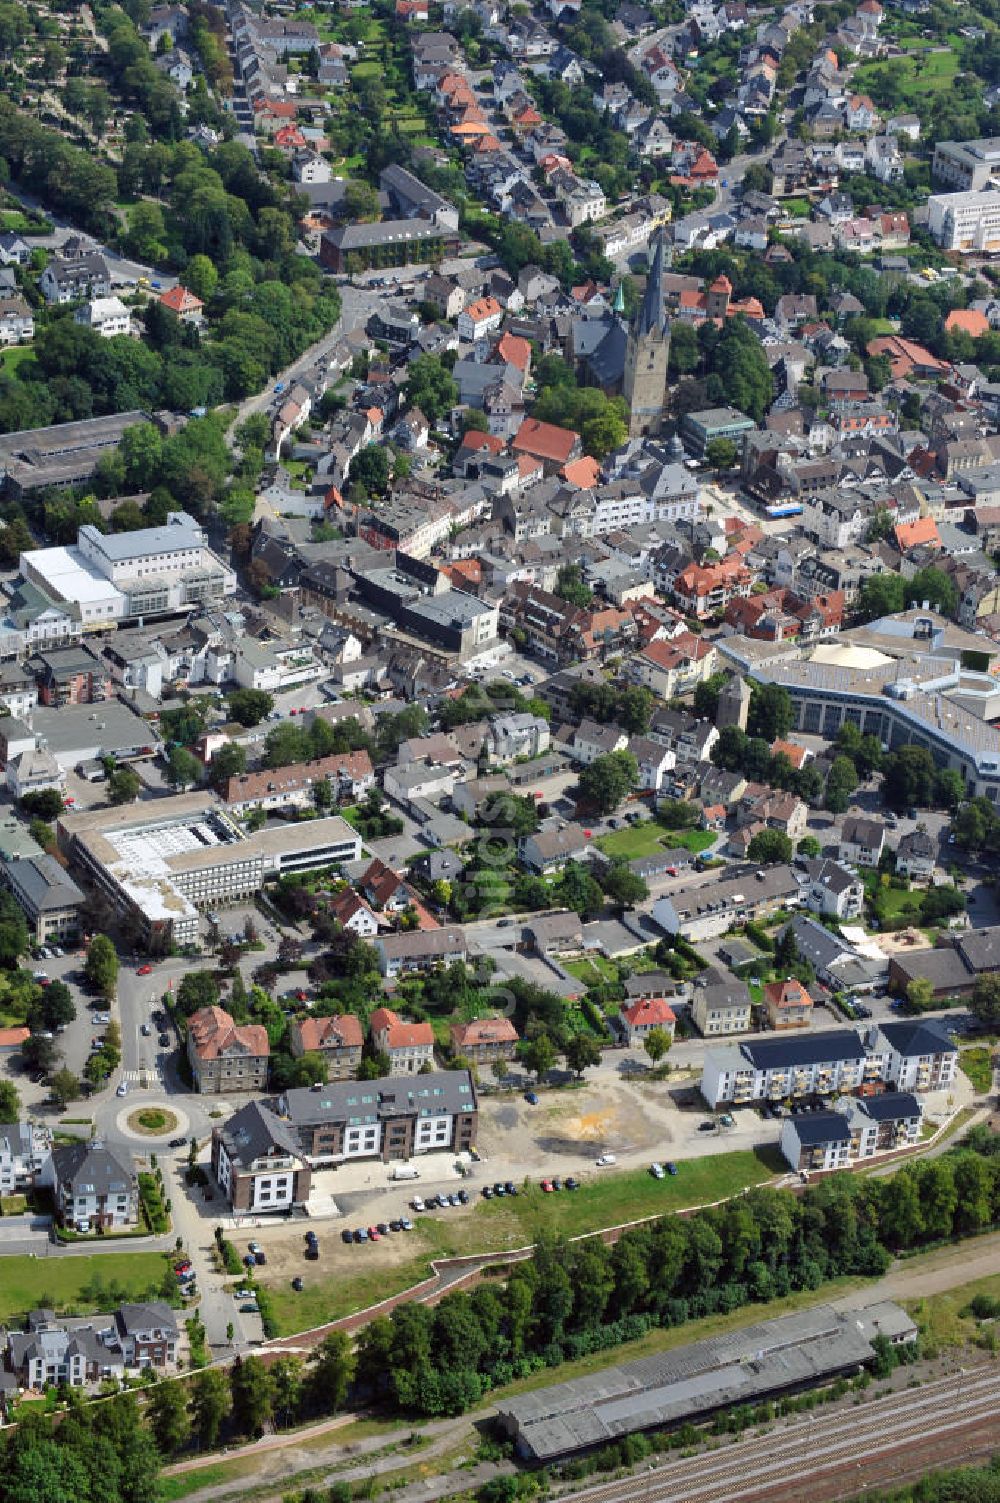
column 605, row 1160
column 405, row 1171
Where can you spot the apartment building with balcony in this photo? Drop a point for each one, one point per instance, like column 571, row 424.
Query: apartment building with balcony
column 810, row 1064
column 853, row 1130
column 919, row 1054
column 258, row 1161
column 395, row 1118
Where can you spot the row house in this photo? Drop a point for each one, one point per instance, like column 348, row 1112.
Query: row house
column 350, row 775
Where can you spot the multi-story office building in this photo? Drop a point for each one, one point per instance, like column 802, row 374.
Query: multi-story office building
column 161, row 863
column 113, row 577
column 966, row 166
column 965, row 221
column 48, row 897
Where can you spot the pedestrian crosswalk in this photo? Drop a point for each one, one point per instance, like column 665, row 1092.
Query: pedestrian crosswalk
column 143, row 1077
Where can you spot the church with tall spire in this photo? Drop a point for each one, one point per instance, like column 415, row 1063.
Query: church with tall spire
column 647, row 353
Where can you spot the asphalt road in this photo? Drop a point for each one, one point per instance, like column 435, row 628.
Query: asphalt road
column 357, row 306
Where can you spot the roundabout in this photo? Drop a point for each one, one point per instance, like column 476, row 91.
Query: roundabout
column 151, row 1121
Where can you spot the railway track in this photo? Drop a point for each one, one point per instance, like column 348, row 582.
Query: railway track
column 836, row 1453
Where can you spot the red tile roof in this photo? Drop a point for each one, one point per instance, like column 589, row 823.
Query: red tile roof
column 400, row 1035
column 343, row 1032
column 922, row 532
column 583, row 473
column 212, row 1031
column 545, row 440
column 180, row 300
column 515, row 350
column 475, row 441
column 649, row 1012
column 484, row 1031
column 968, row 321
column 790, row 993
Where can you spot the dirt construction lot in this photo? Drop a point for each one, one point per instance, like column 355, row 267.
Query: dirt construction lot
column 563, row 1135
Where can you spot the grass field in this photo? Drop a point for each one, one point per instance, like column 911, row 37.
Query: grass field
column 648, row 838
column 592, row 970
column 498, row 1225
column 942, row 1317
column 57, row 1283
column 891, row 904
column 919, row 72
column 977, row 1063
column 16, row 355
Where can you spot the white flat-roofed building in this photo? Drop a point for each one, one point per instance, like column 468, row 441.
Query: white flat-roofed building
column 66, row 577
column 162, row 863
column 106, row 579
column 968, row 166
column 965, row 221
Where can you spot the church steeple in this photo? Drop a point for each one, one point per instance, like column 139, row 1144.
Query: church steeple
column 651, row 315
column 644, row 386
column 618, row 306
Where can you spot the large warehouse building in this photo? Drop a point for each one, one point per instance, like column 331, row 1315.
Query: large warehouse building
column 693, row 1382
column 161, row 863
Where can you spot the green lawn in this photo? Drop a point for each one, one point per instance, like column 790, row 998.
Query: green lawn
column 15, row 355
column 14, row 220
column 692, row 840
column 57, row 1283
column 649, row 838
column 920, row 72
column 977, row 1063
column 644, row 839
column 893, row 905
column 604, row 1199
column 593, row 970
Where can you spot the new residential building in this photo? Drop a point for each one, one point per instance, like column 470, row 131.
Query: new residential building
column 853, row 1130
column 24, row 1152
column 773, row 1069
column 395, row 1118
column 92, row 1188
column 258, row 1161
